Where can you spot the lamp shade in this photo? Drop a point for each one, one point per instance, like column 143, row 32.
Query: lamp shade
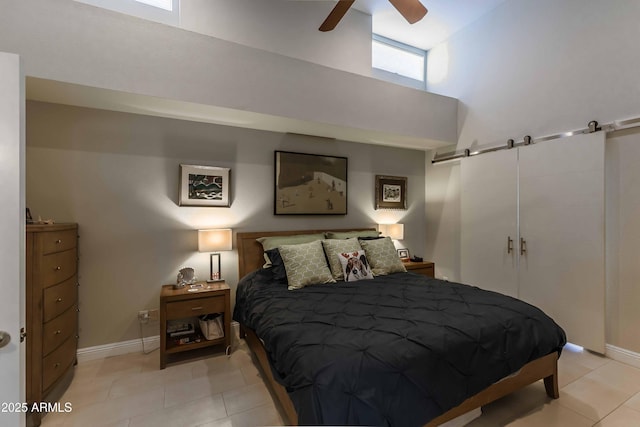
column 394, row 231
column 214, row 240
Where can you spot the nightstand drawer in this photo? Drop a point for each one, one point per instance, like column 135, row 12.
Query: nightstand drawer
column 427, row 271
column 57, row 299
column 195, row 307
column 58, row 267
column 58, row 241
column 56, row 331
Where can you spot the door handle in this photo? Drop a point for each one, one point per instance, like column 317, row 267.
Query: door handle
column 509, row 244
column 5, row 338
column 523, row 246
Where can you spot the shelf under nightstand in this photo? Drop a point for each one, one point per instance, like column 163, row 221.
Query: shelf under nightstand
column 182, row 304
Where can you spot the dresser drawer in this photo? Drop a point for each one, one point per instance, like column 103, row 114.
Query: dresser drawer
column 58, row 267
column 56, row 331
column 57, row 299
column 58, row 241
column 57, row 363
column 195, row 307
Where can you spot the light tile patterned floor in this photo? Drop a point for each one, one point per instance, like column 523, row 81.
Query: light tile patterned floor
column 130, row 391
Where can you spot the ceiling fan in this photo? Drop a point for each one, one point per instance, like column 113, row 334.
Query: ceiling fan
column 412, row 10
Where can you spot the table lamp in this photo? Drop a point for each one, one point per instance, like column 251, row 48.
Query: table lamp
column 394, row 231
column 211, row 241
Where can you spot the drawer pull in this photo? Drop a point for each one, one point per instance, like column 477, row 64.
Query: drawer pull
column 58, row 268
column 58, row 332
column 58, row 241
column 197, row 308
column 59, row 299
column 56, row 366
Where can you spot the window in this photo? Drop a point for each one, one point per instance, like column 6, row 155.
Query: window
column 163, row 11
column 398, row 62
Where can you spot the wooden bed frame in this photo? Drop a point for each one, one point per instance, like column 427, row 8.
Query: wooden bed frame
column 251, row 258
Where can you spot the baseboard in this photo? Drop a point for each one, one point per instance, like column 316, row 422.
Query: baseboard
column 131, row 346
column 623, row 355
column 117, row 348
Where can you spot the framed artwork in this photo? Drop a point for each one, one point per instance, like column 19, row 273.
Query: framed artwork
column 204, row 186
column 309, row 184
column 404, row 254
column 391, row 192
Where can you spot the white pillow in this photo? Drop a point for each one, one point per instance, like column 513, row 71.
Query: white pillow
column 355, row 266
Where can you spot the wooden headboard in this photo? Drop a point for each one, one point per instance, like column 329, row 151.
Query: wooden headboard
column 250, row 254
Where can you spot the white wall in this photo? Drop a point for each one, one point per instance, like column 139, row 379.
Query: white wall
column 116, row 175
column 540, row 68
column 285, row 27
column 67, row 41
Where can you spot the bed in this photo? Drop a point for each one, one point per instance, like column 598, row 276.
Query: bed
column 386, row 351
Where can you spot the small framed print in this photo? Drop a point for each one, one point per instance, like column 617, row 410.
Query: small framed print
column 404, row 254
column 204, row 186
column 391, row 192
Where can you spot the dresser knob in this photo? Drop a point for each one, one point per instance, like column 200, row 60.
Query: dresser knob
column 56, row 366
column 58, row 241
column 59, row 299
column 58, row 332
column 58, row 268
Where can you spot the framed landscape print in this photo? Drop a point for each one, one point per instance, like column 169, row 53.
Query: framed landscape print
column 310, row 184
column 204, row 186
column 391, row 192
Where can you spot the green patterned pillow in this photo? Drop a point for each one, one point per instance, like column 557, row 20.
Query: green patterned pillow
column 273, row 242
column 383, row 257
column 305, row 264
column 333, row 248
column 350, row 234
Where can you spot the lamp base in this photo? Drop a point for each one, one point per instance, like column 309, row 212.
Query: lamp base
column 214, row 280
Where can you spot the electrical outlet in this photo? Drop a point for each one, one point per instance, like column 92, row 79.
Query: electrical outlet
column 143, row 315
column 154, row 314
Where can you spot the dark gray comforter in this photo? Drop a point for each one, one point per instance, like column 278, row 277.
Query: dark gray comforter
column 398, row 350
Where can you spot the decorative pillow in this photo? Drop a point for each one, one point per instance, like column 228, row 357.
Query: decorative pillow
column 305, row 264
column 277, row 265
column 355, row 266
column 383, row 257
column 272, row 242
column 350, row 234
column 334, row 247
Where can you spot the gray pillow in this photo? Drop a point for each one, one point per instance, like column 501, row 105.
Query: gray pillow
column 305, row 264
column 383, row 257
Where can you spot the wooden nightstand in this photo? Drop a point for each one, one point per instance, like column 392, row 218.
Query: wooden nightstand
column 182, row 304
column 426, row 268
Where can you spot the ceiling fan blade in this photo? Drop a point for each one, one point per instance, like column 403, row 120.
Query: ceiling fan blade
column 412, row 10
column 336, row 15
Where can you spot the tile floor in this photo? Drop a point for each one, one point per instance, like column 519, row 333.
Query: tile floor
column 130, row 391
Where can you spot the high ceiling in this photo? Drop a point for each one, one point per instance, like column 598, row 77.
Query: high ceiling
column 445, row 17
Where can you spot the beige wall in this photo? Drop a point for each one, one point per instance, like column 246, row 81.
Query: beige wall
column 116, row 174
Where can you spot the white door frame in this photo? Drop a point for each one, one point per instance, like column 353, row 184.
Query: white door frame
column 12, row 243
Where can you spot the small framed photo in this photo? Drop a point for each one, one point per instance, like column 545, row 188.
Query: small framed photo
column 204, row 186
column 391, row 192
column 404, row 254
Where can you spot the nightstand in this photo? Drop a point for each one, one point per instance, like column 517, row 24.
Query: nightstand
column 425, row 268
column 189, row 303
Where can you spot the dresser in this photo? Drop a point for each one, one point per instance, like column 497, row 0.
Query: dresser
column 51, row 311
